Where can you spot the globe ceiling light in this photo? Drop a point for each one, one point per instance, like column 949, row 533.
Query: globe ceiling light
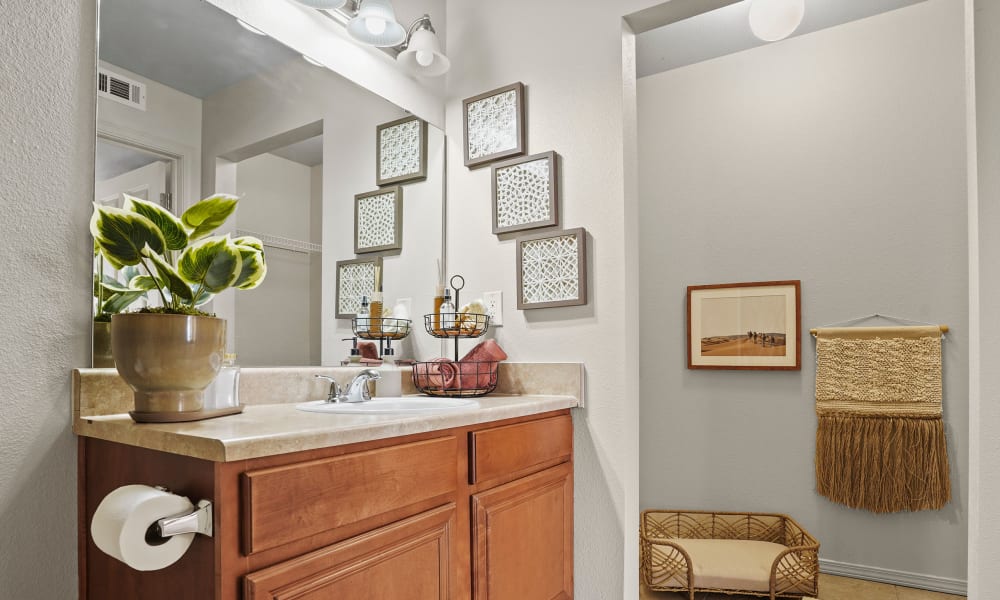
column 323, row 4
column 376, row 24
column 422, row 52
column 773, row 20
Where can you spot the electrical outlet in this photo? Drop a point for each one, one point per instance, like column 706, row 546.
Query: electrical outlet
column 494, row 307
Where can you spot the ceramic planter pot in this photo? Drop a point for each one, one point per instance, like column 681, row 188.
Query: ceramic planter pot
column 167, row 360
column 102, row 345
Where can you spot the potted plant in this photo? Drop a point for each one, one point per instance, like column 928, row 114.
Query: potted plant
column 111, row 297
column 170, row 351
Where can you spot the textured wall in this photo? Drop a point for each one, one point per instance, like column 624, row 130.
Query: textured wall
column 46, row 166
column 569, row 55
column 837, row 158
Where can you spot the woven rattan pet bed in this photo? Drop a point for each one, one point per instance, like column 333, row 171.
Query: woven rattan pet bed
column 747, row 553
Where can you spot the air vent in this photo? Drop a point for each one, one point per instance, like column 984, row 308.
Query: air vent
column 121, row 89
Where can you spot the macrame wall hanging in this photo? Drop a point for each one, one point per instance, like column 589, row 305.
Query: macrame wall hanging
column 880, row 442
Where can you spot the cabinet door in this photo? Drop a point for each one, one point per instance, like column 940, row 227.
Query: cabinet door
column 523, row 538
column 407, row 560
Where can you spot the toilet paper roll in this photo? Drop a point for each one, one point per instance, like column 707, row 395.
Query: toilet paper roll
column 120, row 523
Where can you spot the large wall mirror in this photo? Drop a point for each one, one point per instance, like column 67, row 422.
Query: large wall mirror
column 194, row 102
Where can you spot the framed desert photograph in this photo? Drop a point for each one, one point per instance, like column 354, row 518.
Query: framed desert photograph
column 744, row 326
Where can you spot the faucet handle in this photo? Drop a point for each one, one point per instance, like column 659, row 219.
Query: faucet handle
column 335, row 394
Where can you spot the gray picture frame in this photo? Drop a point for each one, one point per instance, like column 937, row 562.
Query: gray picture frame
column 380, row 151
column 396, row 243
column 580, row 275
column 342, row 295
column 520, row 126
column 553, row 200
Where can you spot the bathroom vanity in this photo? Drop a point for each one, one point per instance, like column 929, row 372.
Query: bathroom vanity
column 461, row 504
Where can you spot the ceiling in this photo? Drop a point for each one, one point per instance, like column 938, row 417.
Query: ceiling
column 726, row 30
column 307, row 152
column 208, row 49
column 116, row 159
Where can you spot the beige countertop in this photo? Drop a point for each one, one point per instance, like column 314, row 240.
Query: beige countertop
column 270, row 424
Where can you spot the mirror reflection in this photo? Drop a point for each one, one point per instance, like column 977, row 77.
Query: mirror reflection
column 191, row 103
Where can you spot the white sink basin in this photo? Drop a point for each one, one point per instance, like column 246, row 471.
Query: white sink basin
column 415, row 404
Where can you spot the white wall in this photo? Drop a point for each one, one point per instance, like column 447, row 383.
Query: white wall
column 296, row 94
column 984, row 492
column 837, row 158
column 171, row 124
column 570, row 57
column 47, row 161
column 275, row 318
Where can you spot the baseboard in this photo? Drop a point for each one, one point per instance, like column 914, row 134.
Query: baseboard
column 933, row 583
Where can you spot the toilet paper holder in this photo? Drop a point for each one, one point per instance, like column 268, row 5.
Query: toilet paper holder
column 197, row 521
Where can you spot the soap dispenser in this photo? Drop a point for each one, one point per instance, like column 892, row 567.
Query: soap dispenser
column 354, row 359
column 390, row 384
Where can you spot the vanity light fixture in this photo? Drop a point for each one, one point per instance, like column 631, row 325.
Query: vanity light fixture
column 773, row 20
column 249, row 27
column 375, row 24
column 421, row 51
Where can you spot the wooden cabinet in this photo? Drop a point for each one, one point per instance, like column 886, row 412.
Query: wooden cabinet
column 484, row 511
column 523, row 538
column 407, row 560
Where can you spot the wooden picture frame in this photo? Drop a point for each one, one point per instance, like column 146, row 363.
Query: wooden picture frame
column 755, row 325
column 401, row 151
column 493, row 125
column 526, row 193
column 378, row 220
column 355, row 278
column 552, row 269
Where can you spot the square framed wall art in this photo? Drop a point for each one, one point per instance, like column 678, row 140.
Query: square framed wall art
column 494, row 125
column 526, row 193
column 745, row 326
column 552, row 269
column 355, row 278
column 378, row 220
column 401, row 153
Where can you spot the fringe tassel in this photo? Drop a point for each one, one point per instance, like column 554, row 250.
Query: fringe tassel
column 882, row 464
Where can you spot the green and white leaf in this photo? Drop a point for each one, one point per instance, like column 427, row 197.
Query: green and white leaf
column 168, row 277
column 119, row 302
column 142, row 282
column 254, row 268
column 200, row 296
column 171, row 227
column 250, row 241
column 213, row 263
column 122, row 235
column 207, row 215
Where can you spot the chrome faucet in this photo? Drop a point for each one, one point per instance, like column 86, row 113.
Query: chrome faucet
column 358, row 391
column 335, row 394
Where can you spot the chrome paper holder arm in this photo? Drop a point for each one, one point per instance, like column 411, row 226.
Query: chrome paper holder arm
column 197, row 521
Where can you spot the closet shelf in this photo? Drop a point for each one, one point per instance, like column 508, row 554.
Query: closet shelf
column 283, row 243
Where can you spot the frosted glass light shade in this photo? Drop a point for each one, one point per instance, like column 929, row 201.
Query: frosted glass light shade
column 423, row 55
column 323, row 4
column 376, row 24
column 773, row 20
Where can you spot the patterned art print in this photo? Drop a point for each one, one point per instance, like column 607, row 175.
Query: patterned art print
column 354, row 280
column 401, row 151
column 377, row 224
column 524, row 193
column 494, row 125
column 552, row 272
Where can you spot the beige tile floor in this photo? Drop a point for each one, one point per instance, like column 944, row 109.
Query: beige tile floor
column 830, row 588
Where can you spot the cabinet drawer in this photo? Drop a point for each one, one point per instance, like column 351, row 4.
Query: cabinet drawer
column 518, row 448
column 289, row 503
column 409, row 559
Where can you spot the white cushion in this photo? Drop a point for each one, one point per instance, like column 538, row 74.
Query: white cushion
column 731, row 564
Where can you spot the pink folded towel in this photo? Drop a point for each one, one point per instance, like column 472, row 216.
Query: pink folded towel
column 478, row 368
